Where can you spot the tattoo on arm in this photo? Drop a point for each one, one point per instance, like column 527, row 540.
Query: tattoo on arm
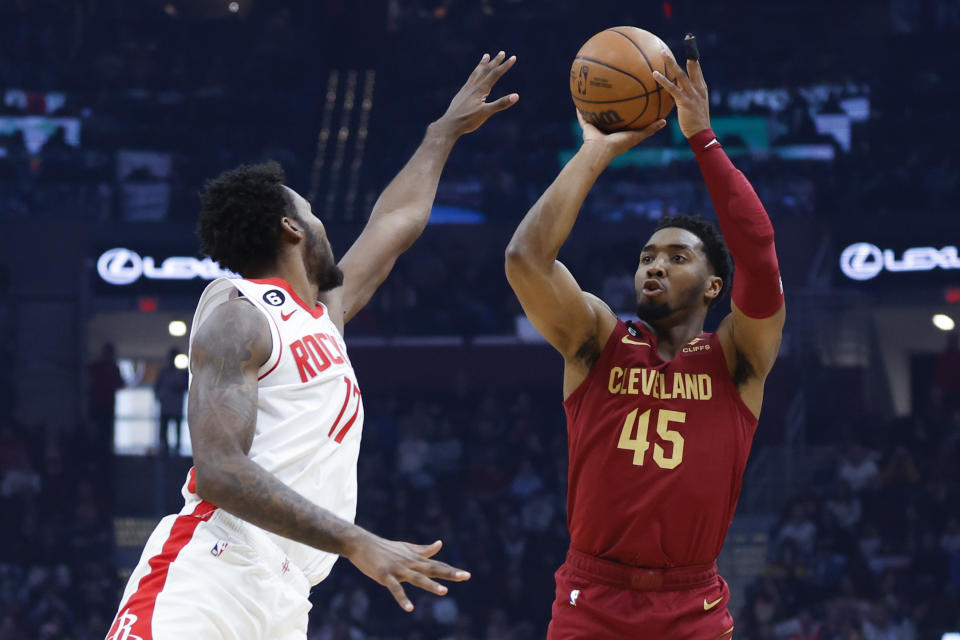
column 227, row 354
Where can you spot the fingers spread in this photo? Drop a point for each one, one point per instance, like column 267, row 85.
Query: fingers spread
column 503, row 103
column 437, row 569
column 671, row 88
column 481, row 66
column 681, row 79
column 398, row 594
column 502, row 66
column 425, row 583
column 696, row 75
column 426, row 550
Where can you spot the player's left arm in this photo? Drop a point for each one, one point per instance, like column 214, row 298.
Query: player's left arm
column 401, row 212
column 750, row 335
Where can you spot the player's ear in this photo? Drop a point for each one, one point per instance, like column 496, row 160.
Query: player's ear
column 714, row 287
column 291, row 229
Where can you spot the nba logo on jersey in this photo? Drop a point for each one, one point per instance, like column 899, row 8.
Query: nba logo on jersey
column 573, row 596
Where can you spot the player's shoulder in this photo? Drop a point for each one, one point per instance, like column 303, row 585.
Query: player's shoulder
column 598, row 305
column 233, row 324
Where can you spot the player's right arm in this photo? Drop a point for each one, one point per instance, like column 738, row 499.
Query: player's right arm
column 574, row 322
column 227, row 352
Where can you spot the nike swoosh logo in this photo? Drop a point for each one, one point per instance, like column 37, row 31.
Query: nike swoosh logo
column 629, row 340
column 710, row 144
column 286, row 316
column 710, row 605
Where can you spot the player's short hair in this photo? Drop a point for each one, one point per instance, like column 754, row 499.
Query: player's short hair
column 713, row 246
column 239, row 224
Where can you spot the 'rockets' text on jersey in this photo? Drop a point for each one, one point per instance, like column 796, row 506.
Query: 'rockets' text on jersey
column 309, row 407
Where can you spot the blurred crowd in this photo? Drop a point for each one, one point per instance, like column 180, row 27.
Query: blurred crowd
column 58, row 577
column 869, row 550
column 181, row 83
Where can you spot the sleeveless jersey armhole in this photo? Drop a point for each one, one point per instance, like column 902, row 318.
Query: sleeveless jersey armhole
column 581, row 389
column 224, row 290
column 276, row 346
column 728, row 380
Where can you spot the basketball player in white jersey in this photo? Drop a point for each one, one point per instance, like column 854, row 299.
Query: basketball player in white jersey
column 275, row 410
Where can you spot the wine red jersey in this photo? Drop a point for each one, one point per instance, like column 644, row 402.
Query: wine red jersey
column 657, row 452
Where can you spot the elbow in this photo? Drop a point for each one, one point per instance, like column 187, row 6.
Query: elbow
column 516, row 259
column 514, row 253
column 211, row 481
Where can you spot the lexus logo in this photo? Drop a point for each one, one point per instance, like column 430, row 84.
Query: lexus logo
column 121, row 266
column 863, row 261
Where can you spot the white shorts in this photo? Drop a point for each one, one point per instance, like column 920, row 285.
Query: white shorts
column 205, row 575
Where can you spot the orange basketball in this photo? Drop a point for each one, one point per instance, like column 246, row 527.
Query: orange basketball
column 612, row 82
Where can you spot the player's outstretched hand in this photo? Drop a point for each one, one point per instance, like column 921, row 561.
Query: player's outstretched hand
column 391, row 562
column 469, row 108
column 689, row 91
column 618, row 141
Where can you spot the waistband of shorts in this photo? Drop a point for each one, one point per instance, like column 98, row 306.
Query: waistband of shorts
column 272, row 556
column 640, row 578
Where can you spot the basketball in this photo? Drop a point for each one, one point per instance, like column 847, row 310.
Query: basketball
column 612, row 81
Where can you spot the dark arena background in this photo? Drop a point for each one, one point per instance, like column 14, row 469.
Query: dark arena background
column 842, row 114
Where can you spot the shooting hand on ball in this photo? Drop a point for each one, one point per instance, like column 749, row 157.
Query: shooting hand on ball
column 469, row 108
column 619, row 141
column 689, row 91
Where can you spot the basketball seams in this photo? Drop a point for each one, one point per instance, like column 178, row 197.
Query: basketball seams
column 635, row 46
column 647, row 60
column 617, row 69
column 646, row 93
column 637, row 97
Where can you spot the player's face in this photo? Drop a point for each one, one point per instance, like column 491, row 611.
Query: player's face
column 318, row 257
column 673, row 276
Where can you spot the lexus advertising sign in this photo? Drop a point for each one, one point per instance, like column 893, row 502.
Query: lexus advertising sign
column 865, row 261
column 122, row 270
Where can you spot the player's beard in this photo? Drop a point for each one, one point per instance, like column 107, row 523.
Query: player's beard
column 653, row 312
column 324, row 270
column 650, row 312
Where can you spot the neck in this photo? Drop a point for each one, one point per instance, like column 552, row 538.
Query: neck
column 291, row 269
column 672, row 335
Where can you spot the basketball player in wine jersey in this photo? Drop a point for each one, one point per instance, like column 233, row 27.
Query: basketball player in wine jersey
column 660, row 413
column 275, row 410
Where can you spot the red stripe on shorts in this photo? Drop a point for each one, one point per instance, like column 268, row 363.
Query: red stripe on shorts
column 136, row 618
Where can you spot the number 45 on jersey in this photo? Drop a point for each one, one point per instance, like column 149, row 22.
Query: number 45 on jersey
column 640, row 443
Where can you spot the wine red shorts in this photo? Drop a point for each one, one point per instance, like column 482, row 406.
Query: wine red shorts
column 602, row 600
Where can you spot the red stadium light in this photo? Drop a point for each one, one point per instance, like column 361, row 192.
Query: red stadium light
column 952, row 295
column 147, row 304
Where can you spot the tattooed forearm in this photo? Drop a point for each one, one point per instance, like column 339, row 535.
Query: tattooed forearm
column 227, row 353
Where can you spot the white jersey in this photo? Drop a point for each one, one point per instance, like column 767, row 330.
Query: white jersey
column 309, row 408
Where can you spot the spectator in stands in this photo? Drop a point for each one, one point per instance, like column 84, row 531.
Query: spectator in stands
column 169, row 389
column 858, row 468
column 946, row 370
column 105, row 380
column 800, row 529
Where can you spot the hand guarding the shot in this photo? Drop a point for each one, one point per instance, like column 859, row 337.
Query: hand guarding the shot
column 469, row 108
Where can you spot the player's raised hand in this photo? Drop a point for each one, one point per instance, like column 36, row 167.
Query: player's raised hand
column 619, row 141
column 689, row 91
column 469, row 108
column 391, row 562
